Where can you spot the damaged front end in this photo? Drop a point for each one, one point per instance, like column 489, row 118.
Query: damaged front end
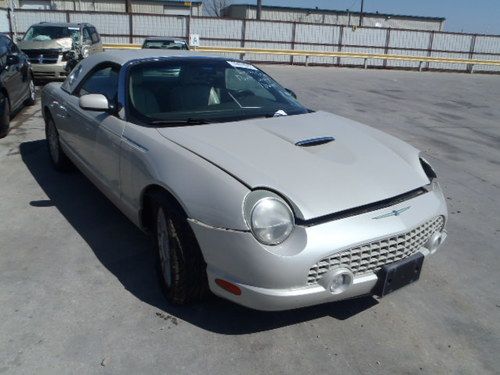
column 49, row 58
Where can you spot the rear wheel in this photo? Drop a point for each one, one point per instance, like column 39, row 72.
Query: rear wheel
column 57, row 155
column 4, row 115
column 180, row 264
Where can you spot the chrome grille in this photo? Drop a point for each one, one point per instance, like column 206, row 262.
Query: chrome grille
column 370, row 257
column 41, row 56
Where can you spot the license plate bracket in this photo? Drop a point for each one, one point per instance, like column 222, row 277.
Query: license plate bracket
column 399, row 274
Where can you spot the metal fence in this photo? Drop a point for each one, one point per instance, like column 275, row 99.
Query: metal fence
column 132, row 28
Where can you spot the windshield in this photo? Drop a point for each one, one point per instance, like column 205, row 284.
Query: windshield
column 165, row 44
column 205, row 90
column 42, row 33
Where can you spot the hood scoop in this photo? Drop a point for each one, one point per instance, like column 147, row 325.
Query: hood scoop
column 314, row 141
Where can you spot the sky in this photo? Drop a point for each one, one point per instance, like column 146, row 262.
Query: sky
column 475, row 16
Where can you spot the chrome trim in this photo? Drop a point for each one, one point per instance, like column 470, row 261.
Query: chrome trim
column 314, row 141
column 392, row 213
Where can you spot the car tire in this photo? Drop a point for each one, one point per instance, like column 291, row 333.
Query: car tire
column 59, row 159
column 31, row 100
column 4, row 115
column 180, row 264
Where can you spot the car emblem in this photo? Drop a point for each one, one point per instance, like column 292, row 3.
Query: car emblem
column 392, row 213
column 40, row 59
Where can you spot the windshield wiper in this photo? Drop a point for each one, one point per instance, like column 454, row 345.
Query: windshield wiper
column 189, row 121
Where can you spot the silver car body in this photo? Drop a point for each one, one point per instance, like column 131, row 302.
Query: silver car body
column 364, row 191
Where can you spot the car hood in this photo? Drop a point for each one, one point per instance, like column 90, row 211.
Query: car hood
column 63, row 44
column 360, row 166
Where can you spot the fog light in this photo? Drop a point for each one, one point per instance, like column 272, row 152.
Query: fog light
column 340, row 280
column 434, row 242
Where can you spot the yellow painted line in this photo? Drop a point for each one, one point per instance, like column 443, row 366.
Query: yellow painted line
column 355, row 55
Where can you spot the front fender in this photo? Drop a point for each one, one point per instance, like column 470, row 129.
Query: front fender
column 206, row 193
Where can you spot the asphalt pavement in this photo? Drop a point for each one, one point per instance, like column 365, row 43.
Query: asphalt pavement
column 78, row 292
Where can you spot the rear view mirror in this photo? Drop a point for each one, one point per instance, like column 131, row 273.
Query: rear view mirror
column 12, row 60
column 94, row 102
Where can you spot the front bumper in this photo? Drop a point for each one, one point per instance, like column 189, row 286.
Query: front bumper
column 276, row 277
column 49, row 71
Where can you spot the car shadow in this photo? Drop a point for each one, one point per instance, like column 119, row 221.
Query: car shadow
column 126, row 252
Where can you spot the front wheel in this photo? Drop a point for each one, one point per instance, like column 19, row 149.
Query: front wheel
column 57, row 155
column 31, row 100
column 180, row 264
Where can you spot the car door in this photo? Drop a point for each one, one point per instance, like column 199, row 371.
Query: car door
column 86, row 42
column 96, row 40
column 11, row 73
column 98, row 134
column 21, row 73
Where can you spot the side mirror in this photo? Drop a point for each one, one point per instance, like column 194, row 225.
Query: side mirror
column 291, row 92
column 12, row 60
column 19, row 38
column 94, row 102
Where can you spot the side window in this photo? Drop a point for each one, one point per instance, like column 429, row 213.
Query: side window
column 68, row 84
column 86, row 36
column 102, row 81
column 4, row 50
column 94, row 35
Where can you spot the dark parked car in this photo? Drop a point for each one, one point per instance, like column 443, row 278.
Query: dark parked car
column 16, row 82
column 161, row 42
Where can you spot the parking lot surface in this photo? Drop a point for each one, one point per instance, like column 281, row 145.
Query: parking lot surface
column 78, row 292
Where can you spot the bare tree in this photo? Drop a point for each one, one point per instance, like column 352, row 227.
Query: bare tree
column 214, row 8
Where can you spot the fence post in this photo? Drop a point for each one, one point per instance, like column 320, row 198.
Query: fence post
column 341, row 36
column 243, row 37
column 387, row 42
column 188, row 27
column 429, row 47
column 9, row 17
column 294, row 30
column 470, row 67
column 68, row 19
column 130, row 29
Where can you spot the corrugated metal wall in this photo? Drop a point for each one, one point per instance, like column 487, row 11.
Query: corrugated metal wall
column 115, row 28
column 333, row 18
column 4, row 21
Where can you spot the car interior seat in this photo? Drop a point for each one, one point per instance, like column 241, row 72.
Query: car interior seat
column 196, row 90
column 142, row 98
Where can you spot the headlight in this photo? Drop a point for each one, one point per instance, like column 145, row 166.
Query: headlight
column 269, row 217
column 429, row 171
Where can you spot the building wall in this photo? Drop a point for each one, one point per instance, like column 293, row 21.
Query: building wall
column 332, row 18
column 104, row 6
column 159, row 8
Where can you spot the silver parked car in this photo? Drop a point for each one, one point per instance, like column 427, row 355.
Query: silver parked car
column 247, row 192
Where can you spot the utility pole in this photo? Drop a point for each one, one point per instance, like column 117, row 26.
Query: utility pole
column 259, row 9
column 361, row 13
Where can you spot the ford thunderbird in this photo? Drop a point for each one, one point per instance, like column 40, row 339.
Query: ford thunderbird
column 246, row 192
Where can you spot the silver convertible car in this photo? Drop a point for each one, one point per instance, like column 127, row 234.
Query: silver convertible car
column 247, row 193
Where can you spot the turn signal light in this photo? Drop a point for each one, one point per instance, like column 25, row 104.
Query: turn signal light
column 226, row 285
